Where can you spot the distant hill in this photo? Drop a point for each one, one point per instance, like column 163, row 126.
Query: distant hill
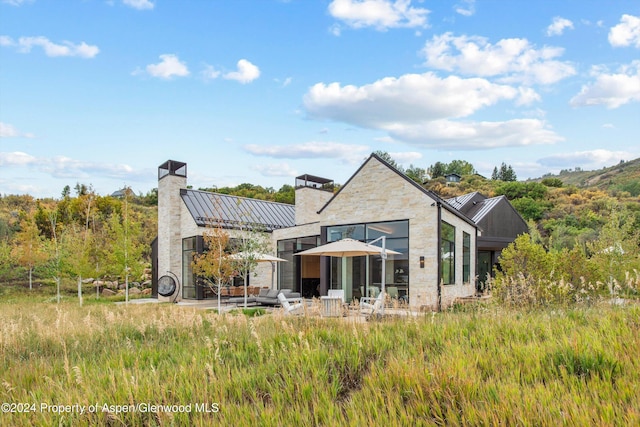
column 624, row 176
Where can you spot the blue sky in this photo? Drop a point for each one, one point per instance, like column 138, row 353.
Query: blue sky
column 102, row 92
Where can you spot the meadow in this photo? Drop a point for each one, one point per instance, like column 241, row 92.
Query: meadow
column 163, row 364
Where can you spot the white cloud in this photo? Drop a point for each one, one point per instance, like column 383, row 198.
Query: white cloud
column 16, row 2
column 626, row 33
column 169, row 66
column 380, row 14
column 65, row 167
column 456, row 135
column 511, row 60
column 16, row 158
column 9, row 131
column 210, row 73
column 409, row 98
column 277, row 169
column 608, row 126
column 466, row 7
column 611, row 89
column 422, row 110
column 310, row 150
column 25, row 44
column 139, row 4
column 406, row 157
column 592, row 159
column 247, row 72
column 558, row 26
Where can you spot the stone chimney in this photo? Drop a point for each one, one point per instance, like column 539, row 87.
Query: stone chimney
column 172, row 176
column 312, row 193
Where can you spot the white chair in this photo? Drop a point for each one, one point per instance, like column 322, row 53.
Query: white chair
column 369, row 305
column 336, row 293
column 296, row 308
column 392, row 291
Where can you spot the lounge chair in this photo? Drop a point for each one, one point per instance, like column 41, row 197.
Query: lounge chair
column 296, row 308
column 370, row 305
column 336, row 293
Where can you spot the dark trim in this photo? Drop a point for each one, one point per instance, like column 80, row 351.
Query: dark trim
column 439, row 257
column 431, row 194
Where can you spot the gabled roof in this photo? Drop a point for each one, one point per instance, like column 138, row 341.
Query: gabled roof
column 476, row 206
column 481, row 209
column 461, row 201
column 440, row 201
column 208, row 208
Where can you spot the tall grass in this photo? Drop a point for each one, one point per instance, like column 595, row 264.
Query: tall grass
column 479, row 367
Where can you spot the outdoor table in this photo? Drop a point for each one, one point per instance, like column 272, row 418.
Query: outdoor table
column 331, row 306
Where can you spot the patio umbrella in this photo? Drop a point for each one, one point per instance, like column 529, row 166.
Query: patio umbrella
column 347, row 248
column 257, row 257
column 352, row 248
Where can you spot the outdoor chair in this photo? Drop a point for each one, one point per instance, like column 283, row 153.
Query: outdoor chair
column 370, row 306
column 296, row 308
column 393, row 292
column 336, row 293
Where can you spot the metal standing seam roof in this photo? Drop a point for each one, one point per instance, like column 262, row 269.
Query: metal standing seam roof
column 460, row 201
column 208, row 208
column 481, row 209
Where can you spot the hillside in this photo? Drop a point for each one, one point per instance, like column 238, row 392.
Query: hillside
column 619, row 178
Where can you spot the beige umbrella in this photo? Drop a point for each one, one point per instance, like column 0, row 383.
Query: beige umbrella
column 351, row 248
column 260, row 257
column 347, row 248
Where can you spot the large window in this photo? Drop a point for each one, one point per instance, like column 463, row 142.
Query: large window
column 302, row 274
column 448, row 253
column 362, row 276
column 466, row 257
column 189, row 247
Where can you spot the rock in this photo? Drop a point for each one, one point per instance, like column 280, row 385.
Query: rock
column 146, row 291
column 146, row 284
column 107, row 292
column 89, row 280
column 134, row 291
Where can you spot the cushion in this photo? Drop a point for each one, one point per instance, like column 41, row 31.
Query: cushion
column 263, row 292
column 272, row 293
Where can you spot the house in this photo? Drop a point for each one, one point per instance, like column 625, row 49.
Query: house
column 500, row 223
column 436, row 241
column 453, row 178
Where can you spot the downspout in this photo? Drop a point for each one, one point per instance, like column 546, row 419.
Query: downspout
column 439, row 256
column 475, row 280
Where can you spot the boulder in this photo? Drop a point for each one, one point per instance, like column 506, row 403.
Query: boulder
column 146, row 291
column 107, row 292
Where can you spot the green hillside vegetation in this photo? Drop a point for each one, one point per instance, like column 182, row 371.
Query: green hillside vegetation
column 621, row 178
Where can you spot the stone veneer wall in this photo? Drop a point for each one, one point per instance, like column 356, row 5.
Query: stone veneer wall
column 308, row 202
column 170, row 226
column 377, row 193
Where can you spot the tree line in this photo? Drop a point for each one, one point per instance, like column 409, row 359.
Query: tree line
column 76, row 237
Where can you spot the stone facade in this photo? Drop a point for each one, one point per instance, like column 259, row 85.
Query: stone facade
column 375, row 193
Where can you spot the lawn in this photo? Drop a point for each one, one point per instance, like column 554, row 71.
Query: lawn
column 162, row 364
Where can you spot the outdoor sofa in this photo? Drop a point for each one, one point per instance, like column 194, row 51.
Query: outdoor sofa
column 266, row 296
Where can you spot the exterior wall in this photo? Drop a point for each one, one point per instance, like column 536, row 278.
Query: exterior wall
column 306, row 230
column 460, row 289
column 170, row 220
column 377, row 193
column 308, row 202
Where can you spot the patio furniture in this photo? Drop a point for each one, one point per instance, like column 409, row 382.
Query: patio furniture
column 392, row 292
column 336, row 293
column 270, row 296
column 331, row 306
column 370, row 306
column 291, row 305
